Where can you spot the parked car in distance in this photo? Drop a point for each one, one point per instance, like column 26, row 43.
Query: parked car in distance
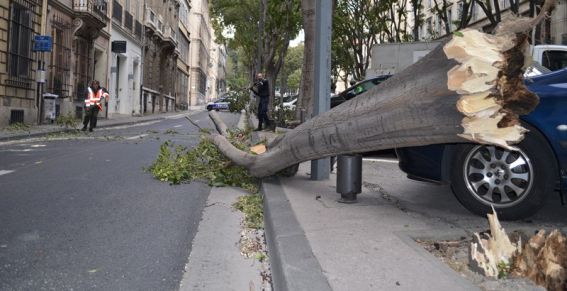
column 288, row 102
column 220, row 104
column 357, row 89
column 515, row 183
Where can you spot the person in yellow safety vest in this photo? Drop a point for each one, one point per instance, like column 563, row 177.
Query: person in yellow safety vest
column 93, row 104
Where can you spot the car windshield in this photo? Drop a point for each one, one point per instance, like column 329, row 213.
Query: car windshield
column 362, row 87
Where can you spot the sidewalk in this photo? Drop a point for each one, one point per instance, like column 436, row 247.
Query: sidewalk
column 39, row 130
column 316, row 243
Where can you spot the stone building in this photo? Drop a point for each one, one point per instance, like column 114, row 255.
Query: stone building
column 81, row 36
column 80, row 40
column 20, row 20
column 200, row 28
column 183, row 69
column 126, row 67
column 160, row 52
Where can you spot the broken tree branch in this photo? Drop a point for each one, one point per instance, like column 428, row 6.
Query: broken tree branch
column 470, row 88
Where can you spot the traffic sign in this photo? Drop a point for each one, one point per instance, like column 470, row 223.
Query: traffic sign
column 42, row 43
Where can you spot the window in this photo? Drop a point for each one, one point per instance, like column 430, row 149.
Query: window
column 117, row 11
column 554, row 60
column 183, row 82
column 128, row 20
column 81, row 68
column 184, row 48
column 202, row 82
column 184, row 14
column 20, row 40
column 60, row 67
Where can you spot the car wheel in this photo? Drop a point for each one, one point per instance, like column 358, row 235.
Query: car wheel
column 209, row 108
column 216, row 109
column 515, row 183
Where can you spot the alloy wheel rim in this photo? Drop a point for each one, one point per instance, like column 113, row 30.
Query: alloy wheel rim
column 498, row 177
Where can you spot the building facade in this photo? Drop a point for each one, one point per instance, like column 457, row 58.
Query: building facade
column 160, row 55
column 19, row 21
column 79, row 49
column 216, row 83
column 200, row 29
column 125, row 80
column 552, row 31
column 183, row 69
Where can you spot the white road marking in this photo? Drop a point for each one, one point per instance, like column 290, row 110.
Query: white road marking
column 17, row 151
column 179, row 125
column 392, row 161
column 137, row 136
column 4, row 172
column 37, row 145
column 133, row 125
column 176, row 116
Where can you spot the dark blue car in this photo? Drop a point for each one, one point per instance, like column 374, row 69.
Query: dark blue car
column 515, row 183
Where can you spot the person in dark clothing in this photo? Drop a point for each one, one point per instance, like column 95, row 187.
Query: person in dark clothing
column 93, row 104
column 261, row 88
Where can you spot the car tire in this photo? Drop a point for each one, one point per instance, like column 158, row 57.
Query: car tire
column 526, row 177
column 209, row 108
column 216, row 109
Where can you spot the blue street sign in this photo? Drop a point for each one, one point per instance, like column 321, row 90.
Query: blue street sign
column 42, row 43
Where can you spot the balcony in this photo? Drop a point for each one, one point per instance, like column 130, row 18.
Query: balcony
column 93, row 12
column 170, row 35
column 151, row 21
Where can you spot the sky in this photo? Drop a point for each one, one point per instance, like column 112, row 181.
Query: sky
column 299, row 39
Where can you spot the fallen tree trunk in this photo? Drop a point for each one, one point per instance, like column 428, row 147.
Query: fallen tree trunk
column 468, row 89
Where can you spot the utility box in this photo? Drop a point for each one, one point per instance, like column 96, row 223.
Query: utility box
column 50, row 106
column 349, row 177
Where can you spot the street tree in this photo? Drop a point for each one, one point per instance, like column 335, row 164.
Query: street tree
column 356, row 26
column 292, row 63
column 417, row 12
column 394, row 20
column 470, row 88
column 263, row 29
column 306, row 88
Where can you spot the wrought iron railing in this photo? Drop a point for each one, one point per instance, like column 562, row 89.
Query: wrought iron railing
column 96, row 7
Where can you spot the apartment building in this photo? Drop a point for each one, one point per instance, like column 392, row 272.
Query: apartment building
column 125, row 76
column 80, row 38
column 161, row 51
column 200, row 50
column 552, row 31
column 183, row 69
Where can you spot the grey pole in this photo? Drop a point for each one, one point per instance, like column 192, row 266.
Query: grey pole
column 323, row 24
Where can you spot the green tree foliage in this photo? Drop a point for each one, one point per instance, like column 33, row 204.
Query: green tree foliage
column 292, row 63
column 261, row 28
column 177, row 164
column 356, row 28
column 294, row 80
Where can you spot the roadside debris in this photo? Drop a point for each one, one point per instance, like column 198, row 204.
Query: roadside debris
column 495, row 260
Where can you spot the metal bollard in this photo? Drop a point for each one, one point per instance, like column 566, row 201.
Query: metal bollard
column 349, row 177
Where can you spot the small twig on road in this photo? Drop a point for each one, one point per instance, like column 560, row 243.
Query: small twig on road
column 193, row 122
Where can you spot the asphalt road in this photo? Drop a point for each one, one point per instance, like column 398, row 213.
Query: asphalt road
column 80, row 213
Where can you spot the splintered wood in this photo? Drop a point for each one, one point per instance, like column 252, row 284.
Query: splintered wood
column 483, row 80
column 543, row 259
column 488, row 251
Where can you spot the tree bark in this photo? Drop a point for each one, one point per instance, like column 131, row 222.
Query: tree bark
column 305, row 102
column 469, row 88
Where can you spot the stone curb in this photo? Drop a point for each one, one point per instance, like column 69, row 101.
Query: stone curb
column 294, row 266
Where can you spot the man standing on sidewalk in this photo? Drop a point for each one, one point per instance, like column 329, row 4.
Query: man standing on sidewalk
column 261, row 88
column 93, row 104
